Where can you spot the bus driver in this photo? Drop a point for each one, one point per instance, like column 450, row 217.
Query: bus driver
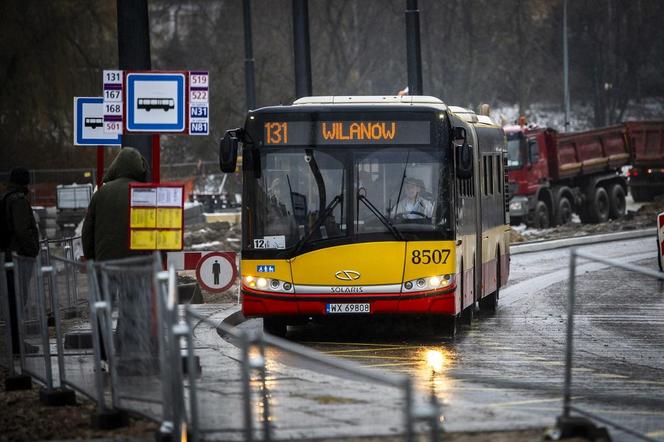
column 413, row 205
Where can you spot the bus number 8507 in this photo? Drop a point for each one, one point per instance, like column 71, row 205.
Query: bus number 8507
column 427, row 256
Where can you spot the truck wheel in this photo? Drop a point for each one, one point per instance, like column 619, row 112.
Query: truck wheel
column 564, row 214
column 542, row 215
column 598, row 207
column 618, row 205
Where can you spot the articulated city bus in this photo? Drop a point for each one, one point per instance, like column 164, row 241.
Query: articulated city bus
column 370, row 206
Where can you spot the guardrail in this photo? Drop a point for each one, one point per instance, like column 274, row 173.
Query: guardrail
column 567, row 425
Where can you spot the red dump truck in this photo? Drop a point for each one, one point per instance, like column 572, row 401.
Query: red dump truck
column 553, row 175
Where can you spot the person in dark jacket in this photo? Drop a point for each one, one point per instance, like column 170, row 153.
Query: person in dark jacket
column 105, row 237
column 105, row 233
column 21, row 237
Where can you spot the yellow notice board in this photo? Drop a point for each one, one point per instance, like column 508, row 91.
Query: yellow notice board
column 142, row 217
column 169, row 218
column 156, row 216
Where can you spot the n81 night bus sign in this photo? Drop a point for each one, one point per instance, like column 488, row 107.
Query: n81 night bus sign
column 300, row 133
column 174, row 102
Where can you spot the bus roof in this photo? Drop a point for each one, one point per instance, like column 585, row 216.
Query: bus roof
column 406, row 100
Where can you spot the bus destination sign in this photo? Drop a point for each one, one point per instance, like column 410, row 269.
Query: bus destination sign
column 299, row 133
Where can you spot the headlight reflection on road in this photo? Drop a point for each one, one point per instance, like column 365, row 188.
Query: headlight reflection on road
column 432, row 371
column 435, row 360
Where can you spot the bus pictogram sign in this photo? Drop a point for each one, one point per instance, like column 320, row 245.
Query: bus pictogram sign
column 89, row 123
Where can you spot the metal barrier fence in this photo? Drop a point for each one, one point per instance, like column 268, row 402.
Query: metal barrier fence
column 130, row 293
column 568, row 408
column 131, row 318
column 63, row 248
column 6, row 350
column 238, row 415
column 76, row 336
column 35, row 349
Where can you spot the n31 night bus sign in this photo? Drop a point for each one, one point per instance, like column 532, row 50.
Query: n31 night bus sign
column 299, row 133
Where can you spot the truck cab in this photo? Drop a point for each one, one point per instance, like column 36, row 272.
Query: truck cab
column 528, row 150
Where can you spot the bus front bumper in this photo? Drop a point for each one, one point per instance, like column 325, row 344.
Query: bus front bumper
column 261, row 304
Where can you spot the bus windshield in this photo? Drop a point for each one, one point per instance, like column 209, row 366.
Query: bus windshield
column 305, row 196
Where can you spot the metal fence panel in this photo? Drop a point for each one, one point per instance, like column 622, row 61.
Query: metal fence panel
column 249, row 397
column 589, row 389
column 128, row 286
column 74, row 328
column 6, row 356
column 35, row 347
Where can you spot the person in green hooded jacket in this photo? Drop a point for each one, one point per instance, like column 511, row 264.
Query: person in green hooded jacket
column 105, row 233
column 105, row 237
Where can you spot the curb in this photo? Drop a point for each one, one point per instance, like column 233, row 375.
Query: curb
column 538, row 246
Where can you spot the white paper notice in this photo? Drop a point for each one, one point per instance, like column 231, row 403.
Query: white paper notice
column 169, row 197
column 143, row 197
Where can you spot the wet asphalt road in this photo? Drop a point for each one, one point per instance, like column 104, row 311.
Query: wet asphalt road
column 506, row 370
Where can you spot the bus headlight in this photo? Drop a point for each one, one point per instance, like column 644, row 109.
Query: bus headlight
column 267, row 284
column 430, row 283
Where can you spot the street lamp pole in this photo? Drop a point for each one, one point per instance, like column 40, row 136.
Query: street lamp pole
column 565, row 66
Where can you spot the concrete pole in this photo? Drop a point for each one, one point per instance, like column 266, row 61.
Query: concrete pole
column 413, row 51
column 249, row 82
column 301, row 49
column 134, row 54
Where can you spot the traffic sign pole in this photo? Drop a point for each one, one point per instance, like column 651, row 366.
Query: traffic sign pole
column 100, row 165
column 156, row 163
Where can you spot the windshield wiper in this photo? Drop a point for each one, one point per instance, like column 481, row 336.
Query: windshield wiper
column 393, row 230
column 322, row 217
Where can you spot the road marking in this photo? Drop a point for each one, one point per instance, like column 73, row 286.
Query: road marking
column 655, row 433
column 394, row 358
column 334, row 352
column 532, row 401
column 400, row 364
column 612, row 376
column 359, row 344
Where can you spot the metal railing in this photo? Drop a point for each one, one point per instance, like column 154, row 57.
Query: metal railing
column 568, row 408
column 253, row 346
column 6, row 348
column 35, row 349
column 128, row 312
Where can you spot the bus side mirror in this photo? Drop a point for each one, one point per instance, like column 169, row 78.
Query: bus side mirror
column 464, row 161
column 228, row 147
column 464, row 153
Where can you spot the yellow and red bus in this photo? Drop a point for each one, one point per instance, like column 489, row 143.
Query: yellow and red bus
column 370, row 205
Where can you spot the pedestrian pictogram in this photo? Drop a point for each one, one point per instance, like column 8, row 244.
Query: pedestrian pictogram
column 216, row 272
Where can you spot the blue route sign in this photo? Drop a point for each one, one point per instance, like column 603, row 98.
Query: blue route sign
column 89, row 123
column 155, row 102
